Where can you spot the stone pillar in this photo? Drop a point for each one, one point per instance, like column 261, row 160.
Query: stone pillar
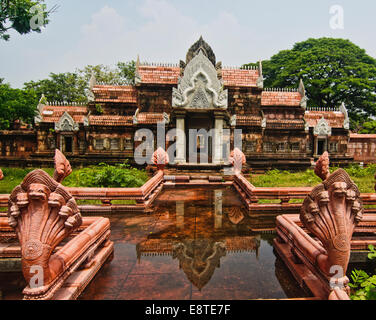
column 218, row 139
column 217, row 209
column 180, row 214
column 180, row 138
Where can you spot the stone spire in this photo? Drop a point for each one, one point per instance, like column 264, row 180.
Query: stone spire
column 198, row 46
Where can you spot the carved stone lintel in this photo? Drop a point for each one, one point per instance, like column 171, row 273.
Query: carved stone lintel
column 66, row 123
column 322, row 128
column 200, row 87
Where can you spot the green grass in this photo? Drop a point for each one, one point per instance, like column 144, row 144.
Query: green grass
column 94, row 176
column 14, row 176
column 363, row 177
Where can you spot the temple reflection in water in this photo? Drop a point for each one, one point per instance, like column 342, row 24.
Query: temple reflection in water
column 199, row 244
column 199, row 233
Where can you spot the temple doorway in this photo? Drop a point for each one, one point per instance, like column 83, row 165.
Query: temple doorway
column 198, row 137
column 321, row 146
column 68, row 144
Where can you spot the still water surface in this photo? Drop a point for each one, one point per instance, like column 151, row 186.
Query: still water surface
column 197, row 244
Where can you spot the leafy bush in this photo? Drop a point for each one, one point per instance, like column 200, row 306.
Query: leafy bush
column 363, row 286
column 104, row 175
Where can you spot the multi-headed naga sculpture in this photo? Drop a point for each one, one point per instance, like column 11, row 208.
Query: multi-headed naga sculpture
column 43, row 214
column 331, row 212
column 160, row 158
column 237, row 159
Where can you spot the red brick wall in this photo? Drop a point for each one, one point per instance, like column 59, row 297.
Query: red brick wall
column 363, row 147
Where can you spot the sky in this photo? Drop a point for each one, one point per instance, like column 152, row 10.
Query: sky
column 239, row 31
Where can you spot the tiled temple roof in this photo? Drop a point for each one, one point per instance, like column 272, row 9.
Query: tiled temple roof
column 51, row 114
column 111, row 120
column 240, row 77
column 108, row 93
column 149, row 118
column 335, row 119
column 281, row 98
column 170, row 75
column 158, row 75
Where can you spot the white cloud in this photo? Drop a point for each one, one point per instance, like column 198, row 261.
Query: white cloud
column 164, row 35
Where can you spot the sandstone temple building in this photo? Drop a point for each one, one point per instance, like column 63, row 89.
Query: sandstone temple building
column 277, row 127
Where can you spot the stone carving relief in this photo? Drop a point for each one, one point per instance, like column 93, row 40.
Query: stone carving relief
column 322, row 128
column 200, row 88
column 331, row 212
column 66, row 123
column 43, row 214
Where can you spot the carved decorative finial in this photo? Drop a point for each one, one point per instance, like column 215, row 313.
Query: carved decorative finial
column 302, row 91
column 43, row 214
column 160, row 158
column 346, row 122
column 322, row 166
column 331, row 212
column 198, row 46
column 237, row 159
column 62, row 167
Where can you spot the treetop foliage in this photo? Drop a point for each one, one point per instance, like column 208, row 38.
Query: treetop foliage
column 24, row 16
column 333, row 71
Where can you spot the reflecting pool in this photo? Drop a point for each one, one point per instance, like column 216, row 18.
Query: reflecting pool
column 197, row 244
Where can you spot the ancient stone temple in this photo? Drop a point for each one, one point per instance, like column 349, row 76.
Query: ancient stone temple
column 275, row 126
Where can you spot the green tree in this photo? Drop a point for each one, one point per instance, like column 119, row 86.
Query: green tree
column 333, row 71
column 127, row 71
column 60, row 87
column 16, row 104
column 24, row 16
column 368, row 127
column 73, row 86
column 123, row 74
